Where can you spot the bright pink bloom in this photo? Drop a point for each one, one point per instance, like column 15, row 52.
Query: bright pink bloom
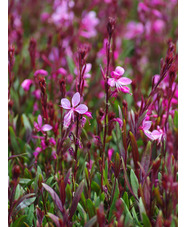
column 26, row 84
column 38, row 126
column 89, row 23
column 81, row 109
column 118, row 81
column 110, row 152
column 41, row 72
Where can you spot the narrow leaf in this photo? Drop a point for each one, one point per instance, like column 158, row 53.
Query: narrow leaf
column 55, row 219
column 135, row 153
column 91, row 222
column 54, row 196
column 134, row 182
column 127, row 181
column 76, row 199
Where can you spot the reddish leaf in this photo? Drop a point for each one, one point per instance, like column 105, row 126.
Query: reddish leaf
column 55, row 219
column 54, row 196
column 40, row 215
column 76, row 199
column 67, row 176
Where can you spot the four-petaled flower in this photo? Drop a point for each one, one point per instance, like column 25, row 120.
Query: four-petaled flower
column 38, row 126
column 118, row 81
column 81, row 109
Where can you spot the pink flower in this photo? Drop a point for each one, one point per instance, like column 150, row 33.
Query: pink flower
column 81, row 109
column 89, row 22
column 26, row 84
column 110, row 152
column 145, row 127
column 38, row 126
column 134, row 29
column 41, row 72
column 158, row 134
column 119, row 81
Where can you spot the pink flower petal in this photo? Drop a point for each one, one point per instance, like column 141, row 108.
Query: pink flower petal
column 46, row 127
column 67, row 118
column 40, row 121
column 88, row 67
column 41, row 72
column 36, row 126
column 149, row 134
column 65, row 103
column 81, row 109
column 88, row 114
column 124, row 89
column 120, row 70
column 76, row 99
column 124, row 81
column 26, row 84
column 110, row 152
column 147, row 125
column 111, row 82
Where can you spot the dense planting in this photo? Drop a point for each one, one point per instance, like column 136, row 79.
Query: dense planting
column 93, row 113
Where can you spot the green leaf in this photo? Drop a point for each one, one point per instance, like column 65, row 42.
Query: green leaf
column 176, row 119
column 90, row 208
column 134, row 182
column 129, row 218
column 13, row 139
column 70, row 64
column 82, row 213
column 18, row 222
column 26, row 122
column 126, row 199
column 25, row 203
column 146, row 220
column 95, row 187
column 91, row 222
column 112, row 207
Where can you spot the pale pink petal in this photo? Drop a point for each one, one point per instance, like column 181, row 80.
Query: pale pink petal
column 36, row 126
column 149, row 134
column 46, row 127
column 65, row 103
column 40, row 121
column 120, row 70
column 88, row 67
column 81, row 109
column 111, row 82
column 156, row 134
column 67, row 118
column 124, row 81
column 147, row 125
column 76, row 99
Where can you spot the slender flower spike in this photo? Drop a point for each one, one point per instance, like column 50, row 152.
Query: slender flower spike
column 118, row 81
column 38, row 126
column 65, row 104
